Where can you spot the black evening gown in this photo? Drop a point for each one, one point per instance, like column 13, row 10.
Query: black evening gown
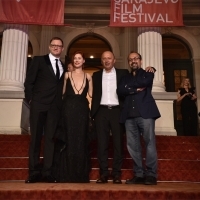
column 189, row 113
column 71, row 158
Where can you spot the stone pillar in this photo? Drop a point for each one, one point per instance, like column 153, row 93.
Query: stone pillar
column 150, row 47
column 14, row 113
column 47, row 33
column 13, row 57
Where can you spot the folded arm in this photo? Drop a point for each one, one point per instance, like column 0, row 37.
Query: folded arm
column 133, row 86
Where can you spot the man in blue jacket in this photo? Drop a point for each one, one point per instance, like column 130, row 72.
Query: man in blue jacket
column 139, row 113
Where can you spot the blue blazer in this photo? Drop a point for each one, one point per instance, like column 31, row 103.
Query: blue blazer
column 144, row 100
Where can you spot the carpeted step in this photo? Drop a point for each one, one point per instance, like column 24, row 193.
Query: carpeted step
column 22, row 162
column 90, row 191
column 164, row 175
column 189, row 151
column 159, row 139
column 178, row 158
column 168, row 170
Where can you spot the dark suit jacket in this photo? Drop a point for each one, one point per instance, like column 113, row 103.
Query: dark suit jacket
column 97, row 88
column 41, row 84
column 144, row 100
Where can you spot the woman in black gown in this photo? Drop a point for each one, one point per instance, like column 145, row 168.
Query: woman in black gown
column 186, row 95
column 71, row 158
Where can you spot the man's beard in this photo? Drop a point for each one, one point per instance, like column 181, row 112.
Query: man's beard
column 136, row 67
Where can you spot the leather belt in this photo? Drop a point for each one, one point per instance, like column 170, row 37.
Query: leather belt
column 109, row 106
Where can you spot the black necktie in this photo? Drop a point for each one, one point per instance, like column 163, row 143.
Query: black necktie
column 57, row 70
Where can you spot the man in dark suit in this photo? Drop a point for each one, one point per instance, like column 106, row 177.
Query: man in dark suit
column 43, row 91
column 105, row 111
column 139, row 114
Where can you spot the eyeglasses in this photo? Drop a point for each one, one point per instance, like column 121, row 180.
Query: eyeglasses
column 133, row 59
column 56, row 46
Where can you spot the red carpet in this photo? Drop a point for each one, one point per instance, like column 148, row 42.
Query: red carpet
column 178, row 173
column 92, row 191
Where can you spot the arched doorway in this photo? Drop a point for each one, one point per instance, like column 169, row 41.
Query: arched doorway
column 92, row 46
column 176, row 65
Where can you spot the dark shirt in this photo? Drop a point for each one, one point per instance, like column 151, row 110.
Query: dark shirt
column 133, row 110
column 145, row 103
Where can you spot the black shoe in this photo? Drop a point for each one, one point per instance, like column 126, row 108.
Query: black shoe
column 135, row 180
column 33, row 179
column 150, row 180
column 49, row 179
column 117, row 180
column 102, row 179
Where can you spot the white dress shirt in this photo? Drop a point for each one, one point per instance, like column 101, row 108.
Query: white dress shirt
column 109, row 87
column 53, row 63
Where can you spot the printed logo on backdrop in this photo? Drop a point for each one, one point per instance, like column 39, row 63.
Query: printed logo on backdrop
column 146, row 13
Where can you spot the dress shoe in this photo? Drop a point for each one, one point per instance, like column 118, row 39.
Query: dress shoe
column 150, row 180
column 33, row 179
column 49, row 179
column 135, row 180
column 117, row 180
column 102, row 179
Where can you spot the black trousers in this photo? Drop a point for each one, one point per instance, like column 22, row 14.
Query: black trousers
column 106, row 122
column 43, row 121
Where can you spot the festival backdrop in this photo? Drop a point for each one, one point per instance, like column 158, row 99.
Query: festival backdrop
column 146, row 13
column 40, row 12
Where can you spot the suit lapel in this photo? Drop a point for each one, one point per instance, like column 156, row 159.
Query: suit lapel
column 117, row 74
column 48, row 63
column 100, row 79
column 63, row 66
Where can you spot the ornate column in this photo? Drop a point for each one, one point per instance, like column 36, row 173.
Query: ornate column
column 150, row 47
column 13, row 57
column 14, row 115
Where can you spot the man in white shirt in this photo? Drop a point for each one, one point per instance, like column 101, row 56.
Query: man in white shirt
column 105, row 111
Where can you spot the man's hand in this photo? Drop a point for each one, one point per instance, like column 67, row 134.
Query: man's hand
column 140, row 89
column 150, row 69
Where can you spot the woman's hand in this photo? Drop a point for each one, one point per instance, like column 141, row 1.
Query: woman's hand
column 188, row 94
